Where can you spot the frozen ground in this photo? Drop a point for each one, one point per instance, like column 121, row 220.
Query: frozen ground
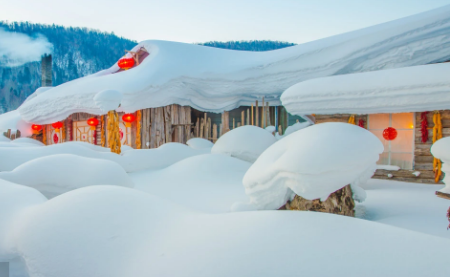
column 181, row 219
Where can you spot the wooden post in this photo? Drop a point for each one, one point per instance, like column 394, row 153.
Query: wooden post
column 226, row 122
column 202, row 126
column 197, row 127
column 252, row 115
column 168, row 122
column 267, row 114
column 208, row 133
column 276, row 119
column 256, row 114
column 243, row 118
column 233, row 123
column 248, row 116
column 205, row 128
column 263, row 113
column 214, row 136
column 280, row 130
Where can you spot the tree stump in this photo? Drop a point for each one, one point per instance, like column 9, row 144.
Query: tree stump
column 339, row 202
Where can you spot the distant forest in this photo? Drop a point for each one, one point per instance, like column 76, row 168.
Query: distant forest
column 79, row 52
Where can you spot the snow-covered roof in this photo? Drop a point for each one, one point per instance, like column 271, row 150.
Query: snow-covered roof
column 211, row 79
column 409, row 89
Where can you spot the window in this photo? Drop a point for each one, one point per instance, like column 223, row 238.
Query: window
column 399, row 151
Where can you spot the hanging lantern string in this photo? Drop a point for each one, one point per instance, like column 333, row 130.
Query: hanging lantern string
column 424, row 127
column 437, row 135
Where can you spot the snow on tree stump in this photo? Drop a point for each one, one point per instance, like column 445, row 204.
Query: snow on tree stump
column 339, row 202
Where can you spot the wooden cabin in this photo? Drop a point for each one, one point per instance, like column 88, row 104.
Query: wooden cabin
column 415, row 101
column 172, row 123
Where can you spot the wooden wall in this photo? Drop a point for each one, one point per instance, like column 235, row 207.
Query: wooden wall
column 165, row 124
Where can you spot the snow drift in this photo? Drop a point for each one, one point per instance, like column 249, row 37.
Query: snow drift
column 245, row 143
column 114, row 231
column 57, row 174
column 410, row 89
column 313, row 163
column 209, row 183
column 199, row 143
column 213, row 80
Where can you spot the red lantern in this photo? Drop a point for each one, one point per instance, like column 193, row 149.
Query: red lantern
column 128, row 118
column 389, row 133
column 93, row 122
column 126, row 63
column 36, row 127
column 57, row 125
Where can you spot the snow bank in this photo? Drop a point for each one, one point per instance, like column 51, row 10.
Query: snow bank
column 157, row 158
column 14, row 199
column 313, row 163
column 245, row 143
column 199, row 143
column 113, row 231
column 295, row 127
column 210, row 183
column 12, row 157
column 213, row 80
column 27, row 141
column 441, row 150
column 12, row 120
column 409, row 89
column 57, row 174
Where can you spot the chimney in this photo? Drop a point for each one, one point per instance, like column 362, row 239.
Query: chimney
column 46, row 71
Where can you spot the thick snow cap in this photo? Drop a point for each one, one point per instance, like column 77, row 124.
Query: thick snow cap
column 245, row 143
column 409, row 89
column 108, row 100
column 213, row 80
column 441, row 150
column 312, row 163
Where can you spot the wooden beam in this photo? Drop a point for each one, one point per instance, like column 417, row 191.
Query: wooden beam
column 443, row 195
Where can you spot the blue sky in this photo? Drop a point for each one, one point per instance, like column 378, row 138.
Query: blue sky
column 204, row 20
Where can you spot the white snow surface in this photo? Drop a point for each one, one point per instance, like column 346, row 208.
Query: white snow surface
column 131, row 160
column 441, row 150
column 245, row 143
column 114, row 231
column 56, row 174
column 210, row 183
column 214, row 80
column 199, row 143
column 409, row 89
column 108, row 100
column 12, row 120
column 312, row 163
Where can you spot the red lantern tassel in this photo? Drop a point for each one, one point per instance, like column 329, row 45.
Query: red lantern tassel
column 424, row 127
column 361, row 123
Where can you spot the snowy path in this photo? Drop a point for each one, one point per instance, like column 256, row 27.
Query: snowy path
column 406, row 205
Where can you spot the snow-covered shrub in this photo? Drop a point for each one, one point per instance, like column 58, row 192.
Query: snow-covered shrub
column 441, row 150
column 199, row 143
column 312, row 163
column 245, row 143
column 57, row 174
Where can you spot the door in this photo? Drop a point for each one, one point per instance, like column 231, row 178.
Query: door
column 82, row 132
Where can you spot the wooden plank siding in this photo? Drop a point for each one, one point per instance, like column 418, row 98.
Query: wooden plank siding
column 423, row 160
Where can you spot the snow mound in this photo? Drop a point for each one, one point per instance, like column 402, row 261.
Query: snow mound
column 12, row 120
column 199, row 143
column 12, row 157
column 157, row 158
column 108, row 100
column 441, row 150
column 57, row 174
column 245, row 143
column 408, row 89
column 295, row 127
column 113, row 231
column 27, row 141
column 270, row 129
column 14, row 199
column 313, row 163
column 210, row 183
